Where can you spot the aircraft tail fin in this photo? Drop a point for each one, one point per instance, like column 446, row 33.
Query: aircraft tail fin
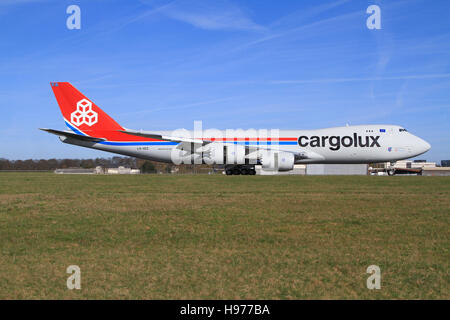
column 81, row 114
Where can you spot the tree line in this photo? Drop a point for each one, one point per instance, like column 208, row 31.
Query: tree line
column 52, row 164
column 145, row 166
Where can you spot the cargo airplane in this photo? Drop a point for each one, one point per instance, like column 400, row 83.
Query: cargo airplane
column 90, row 127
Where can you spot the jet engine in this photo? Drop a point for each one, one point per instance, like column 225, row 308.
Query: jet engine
column 235, row 154
column 277, row 161
column 213, row 153
column 216, row 153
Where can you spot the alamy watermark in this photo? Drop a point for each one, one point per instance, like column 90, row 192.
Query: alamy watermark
column 374, row 20
column 374, row 280
column 74, row 20
column 230, row 147
column 74, row 280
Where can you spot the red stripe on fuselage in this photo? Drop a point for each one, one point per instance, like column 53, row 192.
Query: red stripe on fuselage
column 250, row 139
column 120, row 136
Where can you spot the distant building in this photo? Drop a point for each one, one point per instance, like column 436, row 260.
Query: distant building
column 75, row 171
column 98, row 170
column 436, row 171
column 299, row 169
column 122, row 170
column 337, row 169
column 319, row 169
column 445, row 163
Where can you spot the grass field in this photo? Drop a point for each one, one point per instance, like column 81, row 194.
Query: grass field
column 223, row 237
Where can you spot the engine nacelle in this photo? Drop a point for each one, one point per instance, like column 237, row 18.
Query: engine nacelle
column 235, row 154
column 213, row 153
column 277, row 161
column 217, row 153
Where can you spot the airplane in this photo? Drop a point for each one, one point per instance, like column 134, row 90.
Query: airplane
column 239, row 152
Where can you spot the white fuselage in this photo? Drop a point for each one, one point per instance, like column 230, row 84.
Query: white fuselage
column 349, row 144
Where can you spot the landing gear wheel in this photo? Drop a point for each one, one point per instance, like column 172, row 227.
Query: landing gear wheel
column 236, row 171
column 391, row 172
column 244, row 171
column 252, row 172
column 228, row 172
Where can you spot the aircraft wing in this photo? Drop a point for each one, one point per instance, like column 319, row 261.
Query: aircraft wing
column 298, row 155
column 151, row 135
column 72, row 135
column 185, row 143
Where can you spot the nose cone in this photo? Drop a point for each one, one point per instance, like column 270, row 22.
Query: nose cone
column 421, row 146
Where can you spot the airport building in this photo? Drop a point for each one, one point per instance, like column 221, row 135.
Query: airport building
column 98, row 170
column 436, row 171
column 403, row 167
column 299, row 169
column 122, row 170
column 445, row 163
column 319, row 169
column 337, row 169
column 75, row 171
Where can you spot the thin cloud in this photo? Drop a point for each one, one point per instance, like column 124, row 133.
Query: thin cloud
column 337, row 80
column 8, row 5
column 301, row 15
column 146, row 14
column 211, row 15
column 399, row 101
column 289, row 31
column 4, row 3
column 184, row 106
column 302, row 28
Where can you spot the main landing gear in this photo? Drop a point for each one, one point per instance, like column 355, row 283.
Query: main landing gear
column 240, row 169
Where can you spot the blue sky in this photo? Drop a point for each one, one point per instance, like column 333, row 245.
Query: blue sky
column 160, row 65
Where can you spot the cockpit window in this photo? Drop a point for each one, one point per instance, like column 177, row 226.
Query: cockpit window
column 402, row 130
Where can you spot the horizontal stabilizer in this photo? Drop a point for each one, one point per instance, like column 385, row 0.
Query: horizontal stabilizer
column 72, row 135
